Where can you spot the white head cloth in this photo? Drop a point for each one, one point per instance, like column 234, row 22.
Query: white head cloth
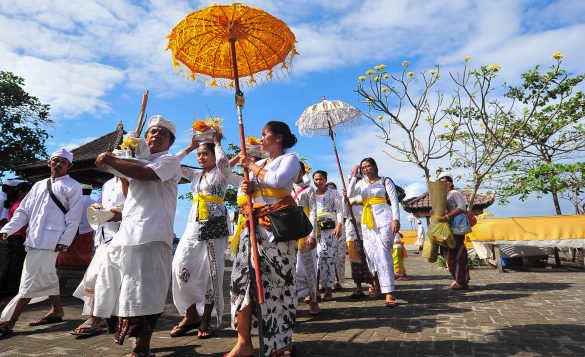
column 13, row 182
column 63, row 153
column 159, row 120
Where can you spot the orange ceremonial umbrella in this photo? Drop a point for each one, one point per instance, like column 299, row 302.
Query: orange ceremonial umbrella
column 220, row 45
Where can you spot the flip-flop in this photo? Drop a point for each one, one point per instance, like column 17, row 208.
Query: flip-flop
column 327, row 297
column 207, row 331
column 391, row 303
column 314, row 310
column 89, row 328
column 46, row 320
column 4, row 329
column 459, row 287
column 181, row 330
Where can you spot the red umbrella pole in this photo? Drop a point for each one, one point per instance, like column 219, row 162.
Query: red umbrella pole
column 251, row 226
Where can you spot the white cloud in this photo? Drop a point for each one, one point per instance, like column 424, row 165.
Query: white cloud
column 120, row 43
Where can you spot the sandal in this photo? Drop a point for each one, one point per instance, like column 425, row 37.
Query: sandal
column 46, row 320
column 456, row 286
column 88, row 328
column 357, row 295
column 374, row 293
column 390, row 303
column 180, row 330
column 314, row 309
column 328, row 296
column 4, row 329
column 207, row 331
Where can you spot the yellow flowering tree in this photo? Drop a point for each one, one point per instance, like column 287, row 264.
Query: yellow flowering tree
column 497, row 127
column 407, row 101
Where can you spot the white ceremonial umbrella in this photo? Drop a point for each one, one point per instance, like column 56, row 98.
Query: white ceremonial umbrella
column 323, row 117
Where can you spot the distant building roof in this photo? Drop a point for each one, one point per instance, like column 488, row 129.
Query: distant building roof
column 83, row 169
column 421, row 205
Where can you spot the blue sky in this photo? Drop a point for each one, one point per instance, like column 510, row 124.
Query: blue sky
column 93, row 61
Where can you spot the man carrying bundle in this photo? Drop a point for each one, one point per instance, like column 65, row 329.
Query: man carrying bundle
column 136, row 273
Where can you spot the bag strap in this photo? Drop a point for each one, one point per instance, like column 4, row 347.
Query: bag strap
column 386, row 192
column 54, row 198
column 260, row 189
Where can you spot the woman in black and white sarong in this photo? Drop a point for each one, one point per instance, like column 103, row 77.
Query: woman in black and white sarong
column 306, row 283
column 198, row 264
column 329, row 209
column 271, row 182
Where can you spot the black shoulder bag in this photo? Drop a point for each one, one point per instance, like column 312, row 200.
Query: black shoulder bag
column 212, row 227
column 288, row 223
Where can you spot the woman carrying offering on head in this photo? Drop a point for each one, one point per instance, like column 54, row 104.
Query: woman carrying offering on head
column 198, row 264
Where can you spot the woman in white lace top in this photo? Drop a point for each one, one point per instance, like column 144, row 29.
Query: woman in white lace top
column 198, row 264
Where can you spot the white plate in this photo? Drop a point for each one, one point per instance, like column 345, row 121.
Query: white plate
column 131, row 159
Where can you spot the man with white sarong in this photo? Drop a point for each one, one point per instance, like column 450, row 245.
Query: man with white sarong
column 136, row 273
column 306, row 282
column 52, row 221
column 111, row 198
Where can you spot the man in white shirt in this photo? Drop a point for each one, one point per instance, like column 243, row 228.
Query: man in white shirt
column 137, row 270
column 52, row 223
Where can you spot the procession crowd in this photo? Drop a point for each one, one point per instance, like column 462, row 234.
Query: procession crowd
column 126, row 284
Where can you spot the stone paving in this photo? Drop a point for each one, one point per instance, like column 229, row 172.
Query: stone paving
column 536, row 312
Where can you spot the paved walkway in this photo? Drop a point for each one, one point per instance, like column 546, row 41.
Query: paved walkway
column 539, row 312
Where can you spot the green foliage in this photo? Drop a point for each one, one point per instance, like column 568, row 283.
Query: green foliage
column 22, row 119
column 555, row 137
column 441, row 262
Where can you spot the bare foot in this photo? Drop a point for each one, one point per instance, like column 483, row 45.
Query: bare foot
column 241, row 349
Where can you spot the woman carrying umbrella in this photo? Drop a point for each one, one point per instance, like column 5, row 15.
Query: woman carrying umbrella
column 271, row 183
column 198, row 264
column 380, row 222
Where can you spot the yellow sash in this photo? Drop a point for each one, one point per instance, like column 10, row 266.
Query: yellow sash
column 235, row 239
column 302, row 240
column 278, row 193
column 367, row 215
column 202, row 200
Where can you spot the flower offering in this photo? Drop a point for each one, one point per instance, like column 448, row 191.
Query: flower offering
column 205, row 130
column 253, row 147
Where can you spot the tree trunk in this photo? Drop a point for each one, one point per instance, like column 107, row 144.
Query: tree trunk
column 555, row 197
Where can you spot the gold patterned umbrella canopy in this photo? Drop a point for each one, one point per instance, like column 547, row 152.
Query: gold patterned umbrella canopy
column 224, row 43
column 202, row 45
